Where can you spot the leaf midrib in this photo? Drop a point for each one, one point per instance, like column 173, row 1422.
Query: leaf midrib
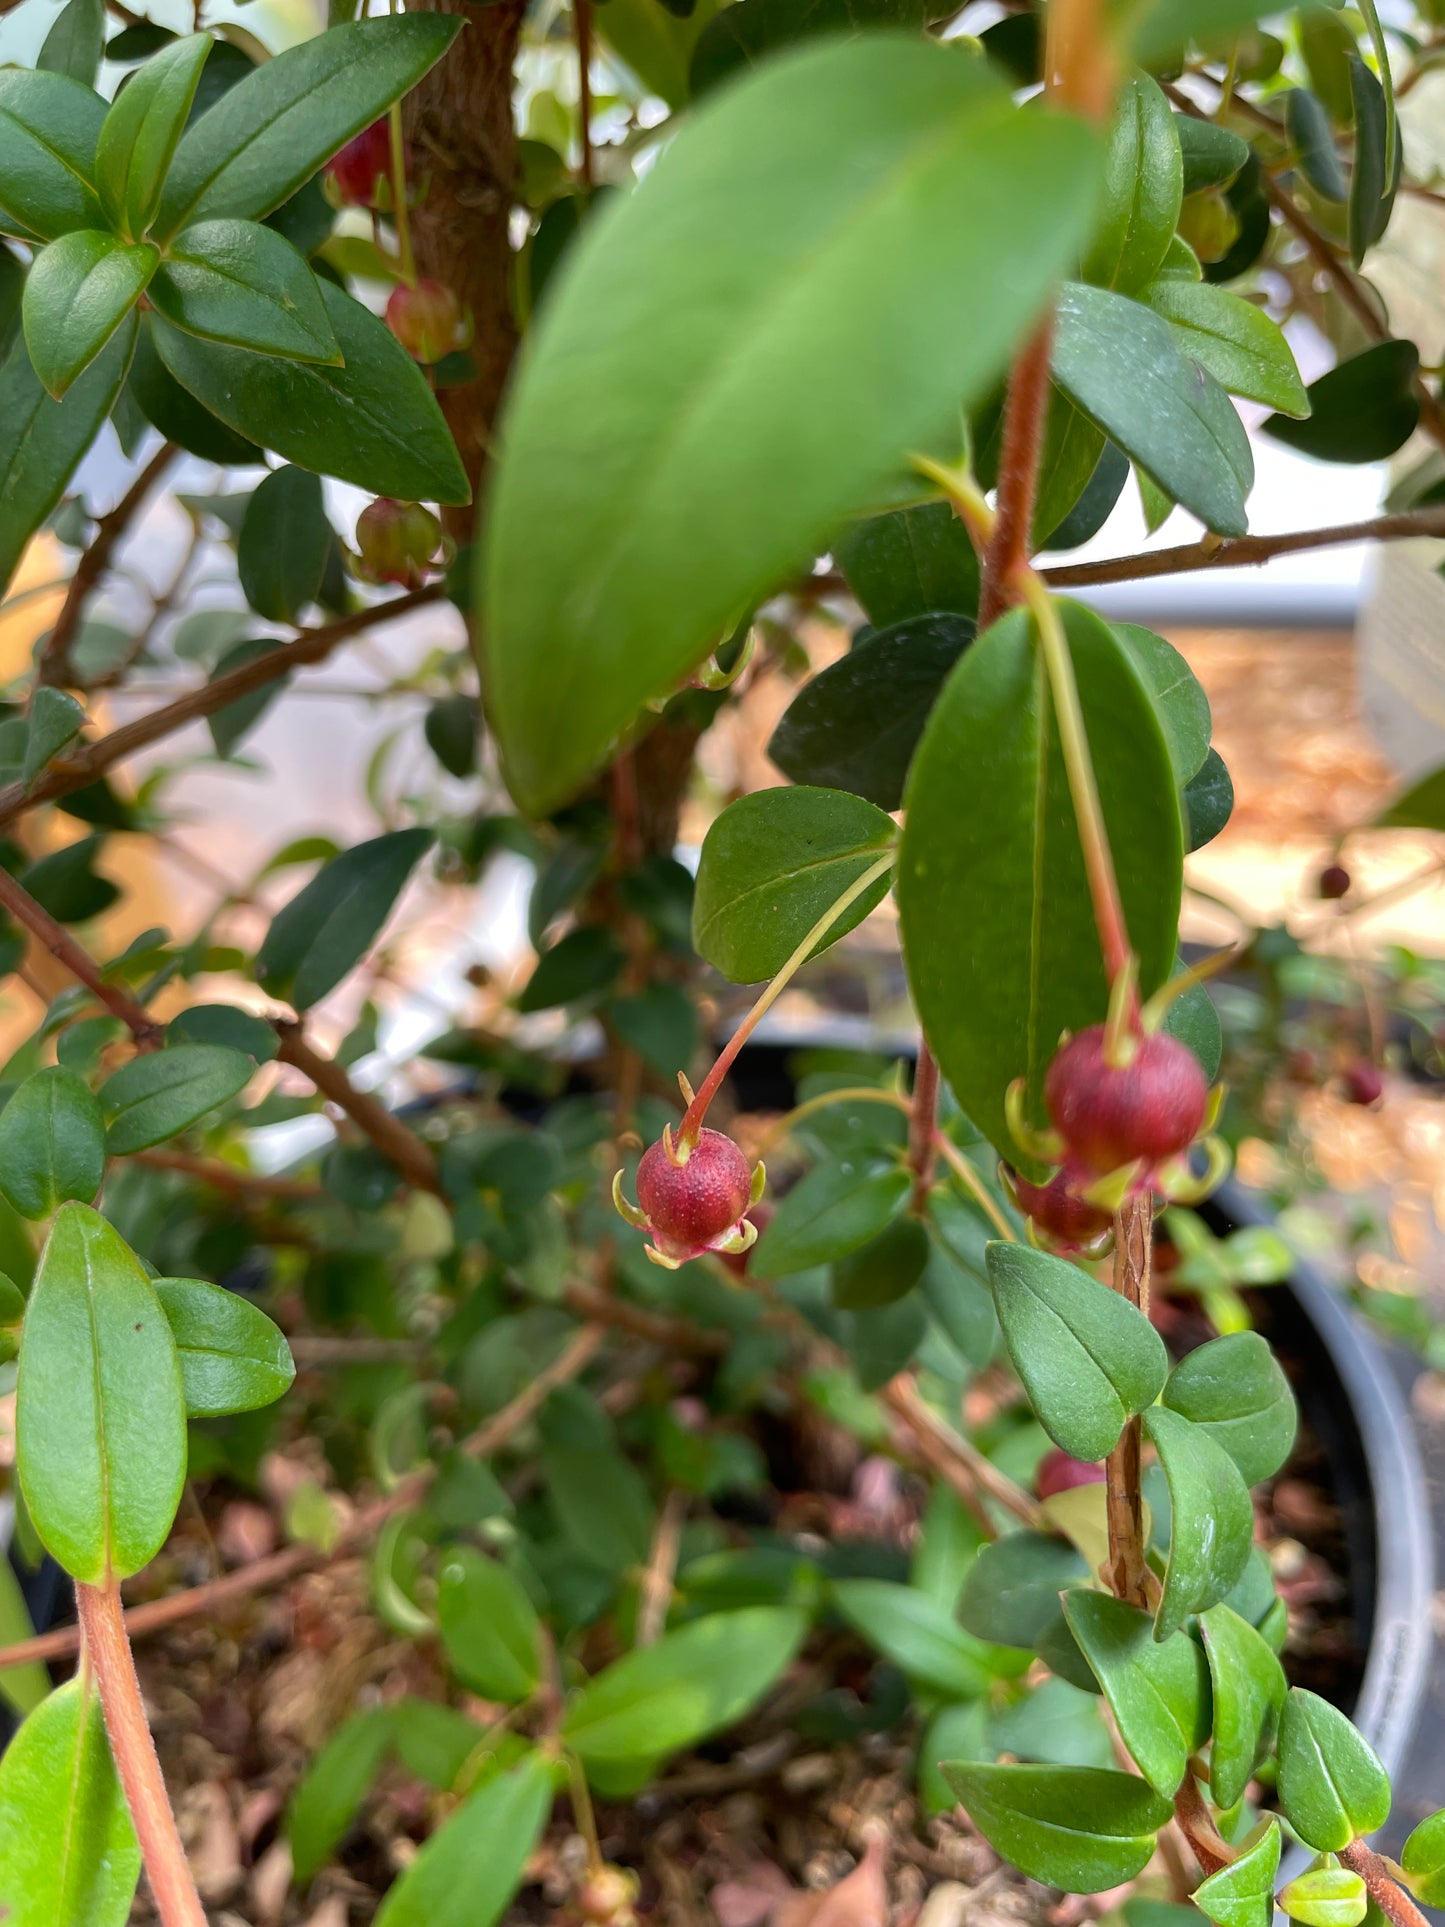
column 860, row 854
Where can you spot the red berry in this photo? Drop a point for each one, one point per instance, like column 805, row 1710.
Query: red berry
column 397, row 542
column 1058, row 1209
column 1057, row 1472
column 692, row 1205
column 1110, row 1115
column 360, row 175
column 1363, row 1082
column 428, row 320
column 1333, row 882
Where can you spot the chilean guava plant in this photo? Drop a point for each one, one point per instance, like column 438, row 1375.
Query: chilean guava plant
column 764, row 309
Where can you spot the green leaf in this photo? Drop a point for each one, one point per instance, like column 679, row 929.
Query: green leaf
column 332, row 921
column 49, row 125
column 691, row 1683
column 1361, row 411
column 1122, row 365
column 68, row 1852
column 748, row 32
column 100, row 1420
column 1242, row 1894
column 233, row 1359
column 467, row 1873
column 1373, row 182
column 225, row 1024
column 45, row 439
column 1233, row 340
column 954, row 1733
column 833, row 1210
column 451, row 728
column 1328, row 1896
column 141, row 130
column 660, row 1023
column 1179, row 701
column 958, row 1298
column 284, row 545
column 601, row 1503
column 1081, row 1828
column 1233, row 1389
column 1313, row 139
column 271, row 132
column 1211, row 1520
column 179, row 416
column 489, row 1627
column 1089, row 1360
column 656, row 44
column 1055, row 1724
column 1249, row 1690
column 919, row 1636
column 1158, row 1690
column 1212, row 154
column 912, row 562
column 55, row 719
column 771, row 865
column 586, row 963
column 78, row 292
column 334, row 1786
column 884, row 1270
column 1331, row 1786
column 239, row 282
column 75, row 42
column 1157, row 33
column 1011, row 1594
column 373, row 422
column 234, row 721
column 1143, row 187
column 1420, row 807
column 1208, row 801
column 52, row 1144
column 998, row 972
column 856, row 725
column 23, row 1687
column 795, row 218
column 156, row 1097
column 1423, row 1859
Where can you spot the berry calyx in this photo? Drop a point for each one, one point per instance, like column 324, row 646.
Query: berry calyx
column 1333, row 882
column 360, row 174
column 399, row 542
column 606, row 1897
column 1110, row 1113
column 1057, row 1472
column 1067, row 1219
column 1362, row 1082
column 693, row 1197
column 428, row 320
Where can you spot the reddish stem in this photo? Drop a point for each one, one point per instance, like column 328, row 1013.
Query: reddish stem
column 1386, row 1892
column 148, row 1034
column 922, row 1124
column 1128, row 1573
column 1025, row 412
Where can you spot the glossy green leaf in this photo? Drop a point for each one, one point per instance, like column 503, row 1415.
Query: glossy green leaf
column 468, row 1871
column 833, row 1210
column 1233, row 1389
column 78, row 292
column 1158, row 1690
column 920, row 1637
column 284, row 545
column 1331, row 1786
column 1420, row 806
column 233, row 722
column 751, row 30
column 956, row 1732
column 242, row 283
column 1123, row 366
column 100, row 1418
column 1055, row 1724
column 1249, row 1690
column 960, row 1304
column 856, row 725
column 374, row 422
column 1084, row 1829
column 1088, row 1359
column 21, row 1687
column 1143, row 186
column 1179, row 700
column 884, row 1270
column 1233, row 340
column 1242, row 1893
column 179, row 416
column 332, row 921
column 801, row 219
column 142, row 129
column 75, row 42
column 1011, row 1594
column 154, row 1098
column 68, row 1852
column 270, row 133
column 1328, row 1896
column 1208, row 801
column 49, row 124
column 489, row 1627
column 52, row 1143
column 1361, row 411
column 45, row 439
column 1211, row 1520
column 55, row 719
column 999, row 972
column 771, row 865
column 1423, row 1859
column 233, row 1359
column 1373, row 183
column 1212, row 155
column 451, row 727
column 1313, row 139
column 225, row 1024
column 913, row 562
column 333, row 1787
column 691, row 1683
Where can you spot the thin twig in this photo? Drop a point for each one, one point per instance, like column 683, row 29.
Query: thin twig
column 411, row 1155
column 1133, row 1229
column 923, row 1124
column 582, row 16
column 901, row 1395
column 1244, row 551
column 1386, row 1892
column 226, row 1177
column 148, row 1034
column 1197, row 1825
column 657, row 1580
column 1025, row 411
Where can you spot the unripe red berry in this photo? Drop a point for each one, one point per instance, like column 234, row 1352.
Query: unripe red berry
column 1110, row 1115
column 1333, row 882
column 360, row 175
column 397, row 542
column 1363, row 1082
column 428, row 320
column 1057, row 1472
column 691, row 1205
column 1057, row 1209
